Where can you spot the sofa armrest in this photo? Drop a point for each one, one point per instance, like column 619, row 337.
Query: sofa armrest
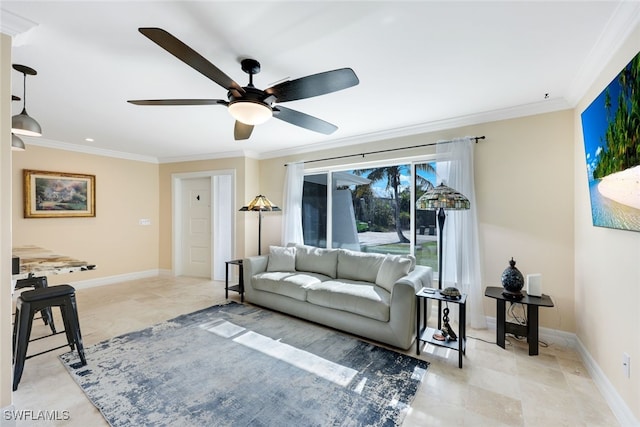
column 252, row 266
column 419, row 278
column 404, row 289
column 403, row 302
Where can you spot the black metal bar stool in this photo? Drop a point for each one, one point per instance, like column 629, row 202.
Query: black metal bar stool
column 38, row 283
column 30, row 302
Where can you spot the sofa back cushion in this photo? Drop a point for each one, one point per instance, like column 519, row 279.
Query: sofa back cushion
column 393, row 268
column 281, row 259
column 360, row 266
column 316, row 260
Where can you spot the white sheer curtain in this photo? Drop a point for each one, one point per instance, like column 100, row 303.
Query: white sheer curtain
column 461, row 252
column 292, row 209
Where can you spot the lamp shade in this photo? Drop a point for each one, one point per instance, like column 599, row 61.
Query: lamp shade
column 16, row 143
column 260, row 203
column 23, row 124
column 442, row 197
column 250, row 112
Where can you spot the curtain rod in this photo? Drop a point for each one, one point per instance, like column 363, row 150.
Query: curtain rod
column 477, row 138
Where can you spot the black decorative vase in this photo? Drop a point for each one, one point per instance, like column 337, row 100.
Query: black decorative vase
column 512, row 281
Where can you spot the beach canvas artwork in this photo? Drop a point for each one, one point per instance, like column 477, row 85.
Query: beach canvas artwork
column 611, row 130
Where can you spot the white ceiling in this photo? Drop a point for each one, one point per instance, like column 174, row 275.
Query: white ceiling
column 422, row 65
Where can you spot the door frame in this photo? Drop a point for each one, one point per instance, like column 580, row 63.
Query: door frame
column 177, row 214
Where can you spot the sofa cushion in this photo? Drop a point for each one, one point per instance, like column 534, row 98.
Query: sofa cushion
column 360, row 266
column 281, row 259
column 393, row 268
column 293, row 285
column 363, row 298
column 316, row 260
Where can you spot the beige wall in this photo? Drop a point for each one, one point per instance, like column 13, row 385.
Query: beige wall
column 248, row 221
column 126, row 191
column 5, row 220
column 607, row 266
column 524, row 184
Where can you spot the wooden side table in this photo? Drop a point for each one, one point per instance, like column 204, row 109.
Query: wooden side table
column 239, row 287
column 530, row 330
column 425, row 333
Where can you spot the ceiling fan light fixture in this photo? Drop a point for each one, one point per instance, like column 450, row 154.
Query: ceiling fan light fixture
column 16, row 143
column 250, row 112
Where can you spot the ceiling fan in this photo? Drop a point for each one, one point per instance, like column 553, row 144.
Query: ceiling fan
column 249, row 105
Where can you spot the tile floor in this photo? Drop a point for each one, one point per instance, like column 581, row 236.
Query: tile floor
column 496, row 387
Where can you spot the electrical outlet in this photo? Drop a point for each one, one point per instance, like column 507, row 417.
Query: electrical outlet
column 144, row 221
column 626, row 365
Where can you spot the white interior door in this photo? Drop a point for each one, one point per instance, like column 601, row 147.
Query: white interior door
column 196, row 227
column 203, row 222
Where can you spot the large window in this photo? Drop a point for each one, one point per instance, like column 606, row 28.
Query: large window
column 372, row 210
column 314, row 210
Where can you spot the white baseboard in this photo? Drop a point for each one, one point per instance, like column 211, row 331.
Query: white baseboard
column 617, row 405
column 110, row 280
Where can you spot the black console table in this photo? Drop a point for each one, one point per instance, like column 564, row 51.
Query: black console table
column 239, row 287
column 530, row 330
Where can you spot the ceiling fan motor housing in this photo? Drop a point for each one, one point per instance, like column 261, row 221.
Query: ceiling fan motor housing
column 251, row 108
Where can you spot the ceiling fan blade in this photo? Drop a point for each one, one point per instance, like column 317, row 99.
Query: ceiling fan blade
column 303, row 120
column 178, row 102
column 314, row 85
column 242, row 131
column 190, row 57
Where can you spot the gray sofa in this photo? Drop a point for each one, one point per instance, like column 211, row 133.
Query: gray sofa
column 366, row 294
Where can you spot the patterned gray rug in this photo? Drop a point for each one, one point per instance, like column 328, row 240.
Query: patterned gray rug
column 238, row 365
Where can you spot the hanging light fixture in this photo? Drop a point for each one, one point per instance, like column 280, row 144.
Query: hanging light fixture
column 23, row 124
column 16, row 143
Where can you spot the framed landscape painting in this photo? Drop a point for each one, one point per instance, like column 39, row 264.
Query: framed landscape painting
column 611, row 131
column 58, row 194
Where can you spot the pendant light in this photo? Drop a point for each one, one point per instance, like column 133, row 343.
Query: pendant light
column 16, row 143
column 23, row 124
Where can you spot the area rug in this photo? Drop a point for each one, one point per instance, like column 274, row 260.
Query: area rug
column 239, row 365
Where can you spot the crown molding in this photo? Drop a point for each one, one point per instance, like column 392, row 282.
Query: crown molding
column 12, row 24
column 49, row 143
column 208, row 156
column 535, row 108
column 622, row 23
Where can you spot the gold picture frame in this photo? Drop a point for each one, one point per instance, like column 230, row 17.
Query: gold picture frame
column 58, row 194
